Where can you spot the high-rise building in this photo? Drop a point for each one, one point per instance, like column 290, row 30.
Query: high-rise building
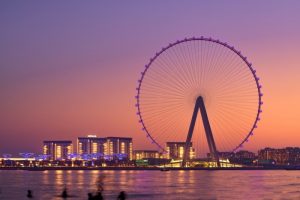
column 175, row 150
column 90, row 145
column 142, row 154
column 118, row 145
column 288, row 155
column 58, row 150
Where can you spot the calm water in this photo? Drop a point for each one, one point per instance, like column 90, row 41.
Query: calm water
column 154, row 184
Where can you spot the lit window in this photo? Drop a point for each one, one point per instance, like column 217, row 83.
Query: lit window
column 94, row 147
column 181, row 151
column 122, row 147
column 58, row 152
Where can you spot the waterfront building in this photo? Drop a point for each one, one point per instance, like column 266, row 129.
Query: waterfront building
column 266, row 153
column 288, row 155
column 58, row 149
column 90, row 145
column 244, row 157
column 118, row 146
column 223, row 155
column 175, row 150
column 243, row 154
column 143, row 154
column 241, row 157
column 294, row 155
column 19, row 162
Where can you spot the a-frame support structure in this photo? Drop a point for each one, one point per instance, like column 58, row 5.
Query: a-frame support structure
column 209, row 136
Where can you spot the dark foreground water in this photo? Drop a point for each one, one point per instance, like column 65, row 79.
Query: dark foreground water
column 278, row 184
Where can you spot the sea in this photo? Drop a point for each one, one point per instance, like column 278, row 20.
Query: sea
column 149, row 184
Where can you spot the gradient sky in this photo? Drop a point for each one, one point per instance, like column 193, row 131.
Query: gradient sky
column 70, row 68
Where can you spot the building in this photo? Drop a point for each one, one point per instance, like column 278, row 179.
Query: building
column 175, row 150
column 115, row 146
column 223, row 155
column 243, row 154
column 90, row 145
column 58, row 150
column 143, row 154
column 241, row 157
column 288, row 155
column 266, row 153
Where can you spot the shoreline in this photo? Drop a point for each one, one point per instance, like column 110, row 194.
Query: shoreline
column 145, row 168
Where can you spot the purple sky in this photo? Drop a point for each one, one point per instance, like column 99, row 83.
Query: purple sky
column 69, row 68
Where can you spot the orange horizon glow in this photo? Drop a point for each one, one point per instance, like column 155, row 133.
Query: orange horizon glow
column 75, row 73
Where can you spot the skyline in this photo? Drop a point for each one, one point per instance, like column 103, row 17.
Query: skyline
column 74, row 144
column 72, row 69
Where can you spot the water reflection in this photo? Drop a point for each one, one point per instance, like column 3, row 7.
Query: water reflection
column 59, row 177
column 153, row 184
column 79, row 179
column 45, row 177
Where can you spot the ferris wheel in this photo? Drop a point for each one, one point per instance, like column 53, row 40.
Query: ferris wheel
column 199, row 74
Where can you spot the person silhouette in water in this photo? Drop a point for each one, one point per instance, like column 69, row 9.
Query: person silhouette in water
column 98, row 196
column 90, row 195
column 122, row 196
column 64, row 194
column 29, row 194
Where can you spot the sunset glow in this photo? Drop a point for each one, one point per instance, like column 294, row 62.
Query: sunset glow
column 71, row 69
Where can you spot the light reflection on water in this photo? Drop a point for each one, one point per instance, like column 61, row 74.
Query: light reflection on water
column 277, row 184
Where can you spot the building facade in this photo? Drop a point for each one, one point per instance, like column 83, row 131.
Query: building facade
column 223, row 155
column 175, row 150
column 90, row 145
column 289, row 155
column 143, row 154
column 58, row 150
column 118, row 146
column 243, row 154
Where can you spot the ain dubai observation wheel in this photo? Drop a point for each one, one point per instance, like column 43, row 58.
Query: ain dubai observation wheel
column 199, row 75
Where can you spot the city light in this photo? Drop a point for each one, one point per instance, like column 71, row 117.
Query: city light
column 118, row 151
